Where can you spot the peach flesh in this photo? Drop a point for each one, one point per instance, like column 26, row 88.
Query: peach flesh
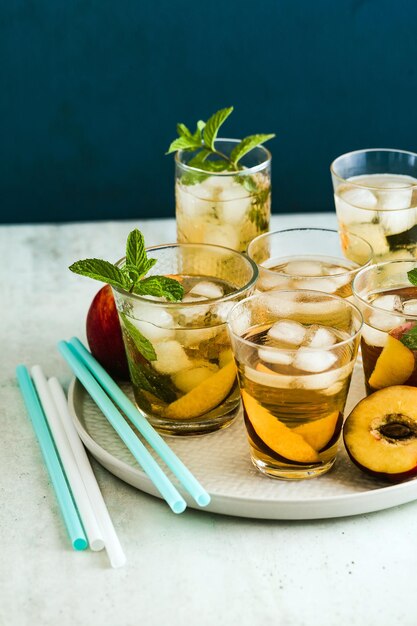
column 380, row 434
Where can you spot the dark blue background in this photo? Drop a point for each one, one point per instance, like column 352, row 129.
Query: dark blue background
column 91, row 91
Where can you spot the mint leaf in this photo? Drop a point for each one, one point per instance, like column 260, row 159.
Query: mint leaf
column 159, row 385
column 212, row 126
column 135, row 249
column 247, row 144
column 198, row 160
column 161, row 287
column 184, row 143
column 143, row 345
column 409, row 339
column 412, row 276
column 101, row 270
column 183, row 131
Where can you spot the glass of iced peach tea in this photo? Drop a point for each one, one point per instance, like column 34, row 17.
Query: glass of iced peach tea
column 188, row 384
column 309, row 258
column 295, row 352
column 386, row 293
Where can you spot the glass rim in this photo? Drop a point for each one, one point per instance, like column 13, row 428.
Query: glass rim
column 373, row 267
column 207, row 302
column 362, row 151
column 264, row 236
column 245, row 172
column 268, row 294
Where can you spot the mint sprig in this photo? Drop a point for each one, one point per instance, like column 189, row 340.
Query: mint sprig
column 203, row 141
column 130, row 276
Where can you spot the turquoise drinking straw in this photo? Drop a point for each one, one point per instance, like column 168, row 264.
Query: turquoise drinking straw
column 189, row 482
column 63, row 493
column 136, row 447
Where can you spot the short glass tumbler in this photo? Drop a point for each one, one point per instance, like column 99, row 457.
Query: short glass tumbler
column 375, row 194
column 179, row 354
column 227, row 208
column 388, row 302
column 309, row 258
column 295, row 352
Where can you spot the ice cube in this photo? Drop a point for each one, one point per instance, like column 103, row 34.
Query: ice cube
column 303, row 268
column 194, row 336
column 410, row 307
column 329, row 285
column 269, row 280
column 170, row 357
column 223, row 309
column 340, row 275
column 396, row 221
column 382, row 321
column 354, row 204
column 389, row 302
column 156, row 315
column 235, row 203
column 374, row 337
column 359, row 197
column 207, row 289
column 395, row 195
column 276, row 356
column 314, row 360
column 192, row 200
column 222, row 234
column 188, row 315
column 279, row 381
column 320, row 337
column 317, row 381
column 288, row 332
column 152, row 332
column 373, row 234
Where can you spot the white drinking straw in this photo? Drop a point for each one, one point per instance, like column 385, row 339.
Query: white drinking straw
column 111, row 540
column 88, row 518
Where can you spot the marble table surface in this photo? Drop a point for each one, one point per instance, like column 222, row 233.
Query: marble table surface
column 197, row 568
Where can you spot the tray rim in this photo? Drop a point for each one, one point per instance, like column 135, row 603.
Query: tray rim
column 336, row 506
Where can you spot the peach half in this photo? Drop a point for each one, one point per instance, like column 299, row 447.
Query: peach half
column 380, row 434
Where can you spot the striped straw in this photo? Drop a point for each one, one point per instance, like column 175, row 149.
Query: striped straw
column 170, row 494
column 63, row 493
column 187, row 479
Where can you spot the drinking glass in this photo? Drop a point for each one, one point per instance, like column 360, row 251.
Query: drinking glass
column 295, row 352
column 185, row 378
column 309, row 258
column 375, row 194
column 388, row 302
column 227, row 208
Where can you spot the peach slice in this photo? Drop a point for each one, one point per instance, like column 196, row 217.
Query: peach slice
column 321, row 432
column 380, row 434
column 278, row 437
column 205, row 396
column 394, row 365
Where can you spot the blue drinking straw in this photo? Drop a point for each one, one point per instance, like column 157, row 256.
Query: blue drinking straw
column 186, row 478
column 63, row 493
column 136, row 447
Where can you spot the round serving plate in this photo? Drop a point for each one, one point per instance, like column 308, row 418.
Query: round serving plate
column 222, row 464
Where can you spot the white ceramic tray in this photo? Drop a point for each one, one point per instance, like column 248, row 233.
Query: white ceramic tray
column 221, row 462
